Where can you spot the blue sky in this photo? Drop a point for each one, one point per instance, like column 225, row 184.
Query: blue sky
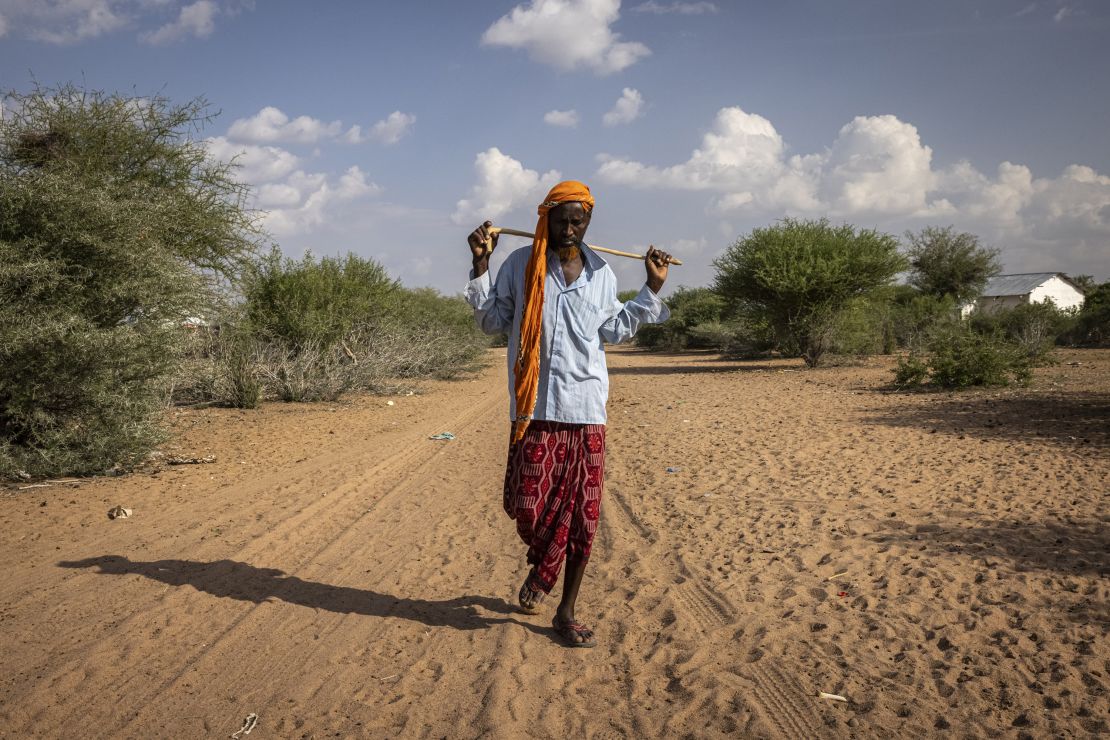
column 391, row 129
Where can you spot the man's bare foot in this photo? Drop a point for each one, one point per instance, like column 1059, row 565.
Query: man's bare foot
column 572, row 633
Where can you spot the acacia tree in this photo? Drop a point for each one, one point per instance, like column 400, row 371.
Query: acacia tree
column 945, row 263
column 115, row 226
column 799, row 275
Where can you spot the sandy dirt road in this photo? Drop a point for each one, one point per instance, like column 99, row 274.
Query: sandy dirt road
column 943, row 561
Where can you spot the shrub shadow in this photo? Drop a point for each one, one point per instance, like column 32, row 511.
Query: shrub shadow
column 1074, row 418
column 1072, row 548
column 722, row 367
column 234, row 580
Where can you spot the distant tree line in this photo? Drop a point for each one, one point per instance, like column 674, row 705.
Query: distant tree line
column 133, row 276
column 810, row 289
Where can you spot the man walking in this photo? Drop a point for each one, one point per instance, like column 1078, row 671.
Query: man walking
column 557, row 300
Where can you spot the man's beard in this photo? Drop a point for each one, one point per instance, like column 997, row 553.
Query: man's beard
column 568, row 253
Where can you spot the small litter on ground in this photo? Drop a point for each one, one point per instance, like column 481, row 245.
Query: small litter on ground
column 191, row 460
column 442, row 435
column 674, row 469
column 248, row 724
column 118, row 512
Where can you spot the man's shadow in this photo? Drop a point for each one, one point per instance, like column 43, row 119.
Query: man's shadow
column 235, row 580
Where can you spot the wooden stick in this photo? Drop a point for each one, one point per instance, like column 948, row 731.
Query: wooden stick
column 633, row 255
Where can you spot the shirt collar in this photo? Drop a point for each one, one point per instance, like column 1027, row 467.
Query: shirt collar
column 592, row 260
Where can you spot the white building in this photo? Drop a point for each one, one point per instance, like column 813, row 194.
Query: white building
column 1007, row 291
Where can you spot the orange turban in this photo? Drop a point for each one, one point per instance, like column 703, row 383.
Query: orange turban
column 527, row 369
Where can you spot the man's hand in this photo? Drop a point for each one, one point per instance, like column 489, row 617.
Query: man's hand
column 482, row 244
column 658, row 264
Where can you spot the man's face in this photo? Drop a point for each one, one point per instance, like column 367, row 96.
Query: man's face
column 566, row 225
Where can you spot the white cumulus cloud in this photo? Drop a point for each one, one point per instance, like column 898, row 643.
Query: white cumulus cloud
column 741, row 158
column 272, row 125
column 302, row 202
column 680, row 8
column 396, row 125
column 277, row 195
column 66, row 22
column 503, row 184
column 197, row 20
column 1000, row 200
column 73, row 21
column 627, row 108
column 877, row 164
column 293, row 200
column 564, row 118
column 256, row 164
column 567, row 35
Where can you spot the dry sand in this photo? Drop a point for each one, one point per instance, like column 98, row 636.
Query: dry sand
column 941, row 560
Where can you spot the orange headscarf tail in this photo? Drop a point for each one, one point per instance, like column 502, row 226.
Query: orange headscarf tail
column 527, row 369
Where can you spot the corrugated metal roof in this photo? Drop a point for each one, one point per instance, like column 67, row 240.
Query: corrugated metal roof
column 1022, row 284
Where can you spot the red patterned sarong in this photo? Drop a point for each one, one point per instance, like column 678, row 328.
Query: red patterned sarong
column 553, row 485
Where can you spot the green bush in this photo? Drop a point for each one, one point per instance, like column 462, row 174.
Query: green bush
column 241, row 370
column 911, row 371
column 315, row 301
column 963, row 358
column 1035, row 327
column 915, row 315
column 864, row 326
column 1092, row 325
column 114, row 229
column 434, row 336
column 223, row 365
column 698, row 321
column 690, row 307
column 317, row 328
column 960, row 357
column 711, row 335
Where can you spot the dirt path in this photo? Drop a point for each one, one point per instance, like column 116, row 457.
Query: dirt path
column 940, row 560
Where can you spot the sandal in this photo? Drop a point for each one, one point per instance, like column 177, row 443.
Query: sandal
column 573, row 634
column 529, row 598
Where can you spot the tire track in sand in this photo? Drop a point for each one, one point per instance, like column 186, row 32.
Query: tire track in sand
column 707, row 607
column 345, row 568
column 309, row 525
column 665, row 663
column 781, row 702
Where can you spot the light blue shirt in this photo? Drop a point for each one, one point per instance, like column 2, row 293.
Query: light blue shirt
column 577, row 321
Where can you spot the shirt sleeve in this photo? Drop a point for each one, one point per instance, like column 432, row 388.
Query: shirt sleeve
column 492, row 301
column 645, row 308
